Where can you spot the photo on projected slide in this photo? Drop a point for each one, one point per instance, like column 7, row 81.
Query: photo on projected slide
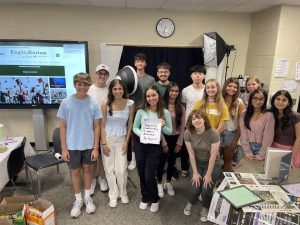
column 24, row 90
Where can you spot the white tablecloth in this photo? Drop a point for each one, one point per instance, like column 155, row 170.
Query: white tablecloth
column 11, row 143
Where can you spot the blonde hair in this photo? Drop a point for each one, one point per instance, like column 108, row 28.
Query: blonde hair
column 254, row 78
column 82, row 77
column 217, row 98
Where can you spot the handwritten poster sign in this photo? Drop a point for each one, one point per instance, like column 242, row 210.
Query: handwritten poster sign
column 151, row 130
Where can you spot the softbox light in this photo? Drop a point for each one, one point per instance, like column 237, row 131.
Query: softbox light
column 215, row 49
column 128, row 75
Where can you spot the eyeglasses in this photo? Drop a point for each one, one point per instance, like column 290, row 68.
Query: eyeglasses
column 258, row 99
column 163, row 71
column 102, row 73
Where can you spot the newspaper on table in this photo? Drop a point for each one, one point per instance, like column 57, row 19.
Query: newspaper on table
column 276, row 209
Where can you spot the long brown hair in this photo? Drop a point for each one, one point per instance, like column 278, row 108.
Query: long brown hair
column 160, row 104
column 233, row 107
column 111, row 97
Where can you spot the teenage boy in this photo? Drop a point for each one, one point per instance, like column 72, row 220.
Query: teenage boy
column 80, row 133
column 163, row 74
column 144, row 81
column 99, row 91
column 190, row 95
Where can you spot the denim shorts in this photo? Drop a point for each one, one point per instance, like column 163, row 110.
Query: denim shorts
column 255, row 147
column 226, row 137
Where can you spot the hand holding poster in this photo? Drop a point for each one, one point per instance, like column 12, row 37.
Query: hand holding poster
column 151, row 130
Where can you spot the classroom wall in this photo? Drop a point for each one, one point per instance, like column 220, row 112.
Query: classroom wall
column 274, row 35
column 114, row 26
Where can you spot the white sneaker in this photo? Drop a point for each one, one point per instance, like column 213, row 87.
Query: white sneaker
column 160, row 190
column 188, row 209
column 200, row 198
column 113, row 203
column 76, row 210
column 143, row 205
column 93, row 186
column 132, row 165
column 169, row 188
column 103, row 184
column 154, row 207
column 125, row 199
column 203, row 215
column 89, row 205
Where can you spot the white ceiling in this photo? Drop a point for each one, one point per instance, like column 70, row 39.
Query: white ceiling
column 233, row 6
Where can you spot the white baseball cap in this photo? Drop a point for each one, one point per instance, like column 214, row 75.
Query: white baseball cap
column 102, row 67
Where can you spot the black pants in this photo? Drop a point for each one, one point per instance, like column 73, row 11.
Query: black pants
column 184, row 157
column 147, row 158
column 170, row 156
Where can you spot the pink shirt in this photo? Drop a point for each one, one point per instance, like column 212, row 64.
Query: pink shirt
column 179, row 130
column 262, row 131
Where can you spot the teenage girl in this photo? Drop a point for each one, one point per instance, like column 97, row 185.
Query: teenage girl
column 171, row 144
column 252, row 83
column 231, row 133
column 287, row 125
column 148, row 155
column 257, row 126
column 116, row 126
column 213, row 104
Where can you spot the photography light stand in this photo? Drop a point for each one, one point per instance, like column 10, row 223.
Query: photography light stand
column 228, row 48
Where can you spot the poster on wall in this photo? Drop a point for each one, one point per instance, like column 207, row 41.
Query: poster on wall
column 282, row 67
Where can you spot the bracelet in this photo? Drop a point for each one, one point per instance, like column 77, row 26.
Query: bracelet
column 104, row 144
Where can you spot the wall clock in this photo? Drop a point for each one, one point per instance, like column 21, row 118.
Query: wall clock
column 165, row 27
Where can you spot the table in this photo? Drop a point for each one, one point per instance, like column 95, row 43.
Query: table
column 11, row 143
column 221, row 212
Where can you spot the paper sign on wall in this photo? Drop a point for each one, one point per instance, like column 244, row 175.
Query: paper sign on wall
column 282, row 68
column 151, row 130
column 290, row 85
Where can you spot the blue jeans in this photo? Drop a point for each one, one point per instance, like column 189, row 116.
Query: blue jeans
column 207, row 192
column 255, row 147
column 226, row 137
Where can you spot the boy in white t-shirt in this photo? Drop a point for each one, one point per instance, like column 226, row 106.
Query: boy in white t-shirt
column 99, row 91
column 190, row 95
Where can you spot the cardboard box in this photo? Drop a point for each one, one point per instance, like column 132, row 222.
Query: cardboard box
column 18, row 199
column 40, row 212
column 12, row 213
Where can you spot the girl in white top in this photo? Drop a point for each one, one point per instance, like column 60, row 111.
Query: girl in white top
column 231, row 133
column 116, row 129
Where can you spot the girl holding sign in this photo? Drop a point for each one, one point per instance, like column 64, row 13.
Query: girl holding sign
column 148, row 147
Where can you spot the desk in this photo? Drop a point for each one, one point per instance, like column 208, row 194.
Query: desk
column 11, row 143
column 221, row 212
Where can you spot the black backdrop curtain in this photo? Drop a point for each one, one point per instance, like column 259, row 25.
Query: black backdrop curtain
column 180, row 59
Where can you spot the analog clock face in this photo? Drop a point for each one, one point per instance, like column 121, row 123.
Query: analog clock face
column 165, row 27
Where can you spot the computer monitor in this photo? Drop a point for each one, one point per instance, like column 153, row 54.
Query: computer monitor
column 277, row 162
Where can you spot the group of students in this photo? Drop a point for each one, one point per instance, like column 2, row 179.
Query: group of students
column 204, row 122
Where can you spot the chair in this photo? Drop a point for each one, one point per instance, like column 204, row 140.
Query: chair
column 15, row 163
column 44, row 160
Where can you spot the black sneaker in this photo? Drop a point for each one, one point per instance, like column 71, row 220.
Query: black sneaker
column 175, row 175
